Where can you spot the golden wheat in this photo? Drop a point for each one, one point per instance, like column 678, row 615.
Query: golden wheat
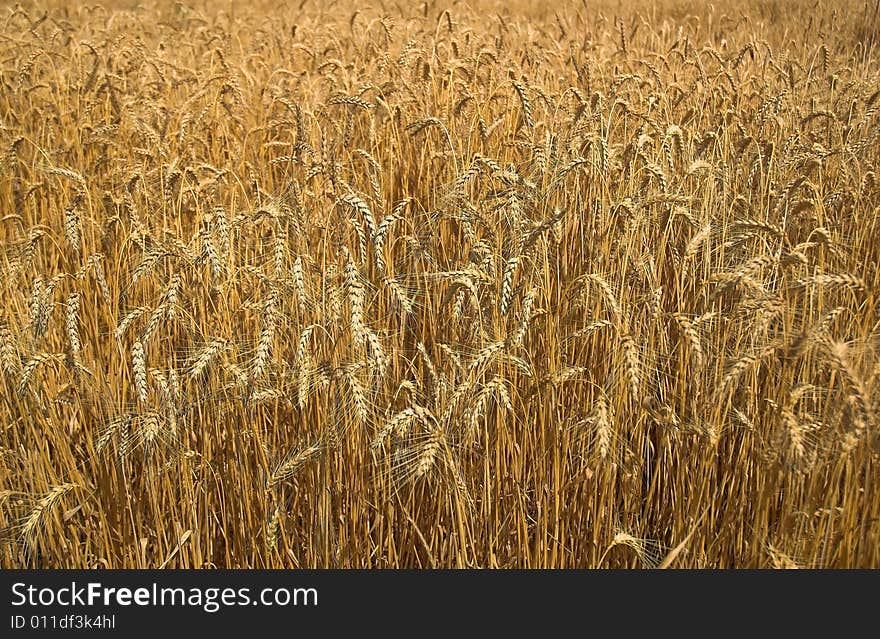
column 442, row 286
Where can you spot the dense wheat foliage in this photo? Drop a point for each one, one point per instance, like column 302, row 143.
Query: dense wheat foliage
column 489, row 285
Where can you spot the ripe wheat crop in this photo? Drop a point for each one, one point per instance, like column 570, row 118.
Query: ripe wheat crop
column 356, row 284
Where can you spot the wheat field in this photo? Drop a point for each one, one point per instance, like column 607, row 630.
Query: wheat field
column 452, row 285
